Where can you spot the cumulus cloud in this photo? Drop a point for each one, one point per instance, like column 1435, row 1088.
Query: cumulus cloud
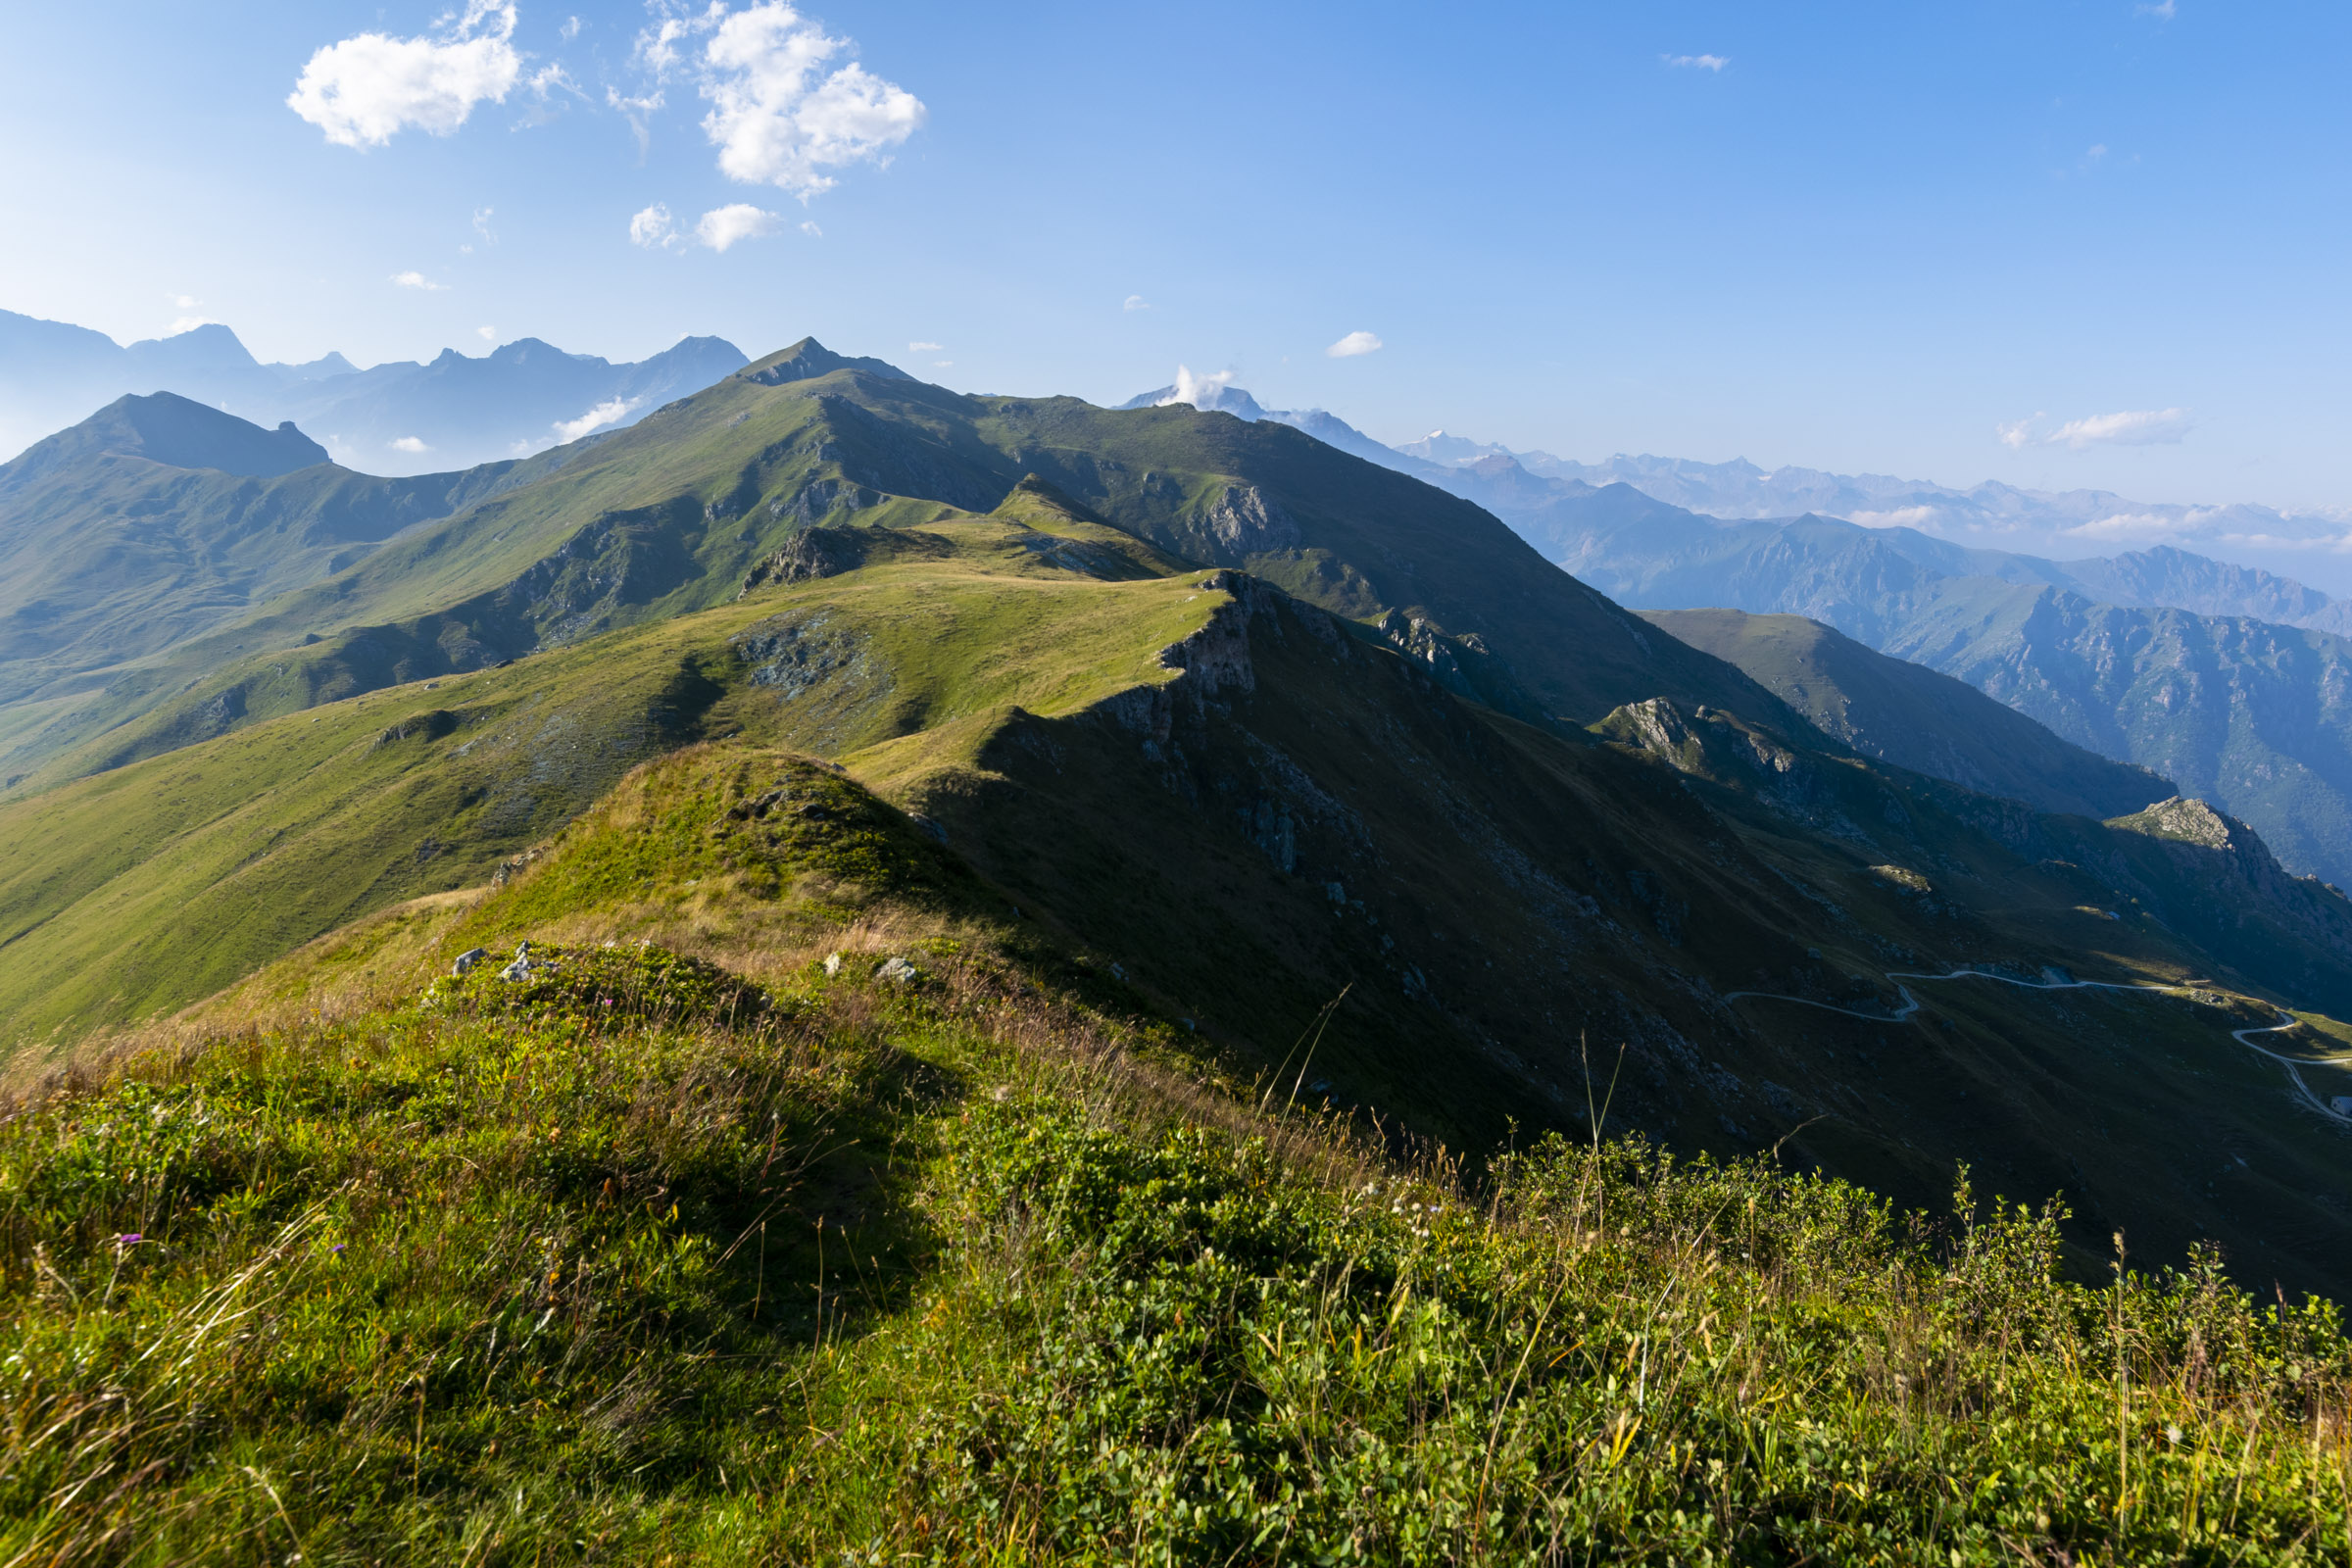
column 1195, row 389
column 370, row 86
column 488, row 334
column 788, row 104
column 411, row 445
column 416, row 280
column 603, row 414
column 1135, row 301
column 654, row 227
column 1354, row 344
column 2130, row 428
column 1699, row 62
column 722, row 226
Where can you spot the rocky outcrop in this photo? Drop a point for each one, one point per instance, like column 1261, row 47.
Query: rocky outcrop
column 809, row 555
column 1244, row 522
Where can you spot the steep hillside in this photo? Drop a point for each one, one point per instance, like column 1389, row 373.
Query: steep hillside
column 1912, row 717
column 1246, row 808
column 158, row 520
column 670, row 516
column 858, row 1221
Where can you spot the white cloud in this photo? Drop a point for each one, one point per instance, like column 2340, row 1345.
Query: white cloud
column 1135, row 301
column 186, row 302
column 722, row 226
column 366, row 89
column 943, row 365
column 2142, row 525
column 2098, row 150
column 488, row 334
column 778, row 115
column 2130, row 428
column 569, row 30
column 810, row 228
column 409, row 444
column 1191, row 388
column 1896, row 517
column 2135, row 428
column 639, row 113
column 1699, row 62
column 924, row 348
column 187, row 323
column 2167, row 10
column 603, row 413
column 654, row 227
column 417, row 281
column 1354, row 344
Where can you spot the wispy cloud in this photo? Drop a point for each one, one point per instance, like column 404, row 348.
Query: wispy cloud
column 1354, row 344
column 2130, row 428
column 366, row 89
column 603, row 414
column 2165, row 10
column 808, row 226
column 417, row 281
column 722, row 226
column 1697, row 61
column 924, row 348
column 569, row 30
column 1135, row 301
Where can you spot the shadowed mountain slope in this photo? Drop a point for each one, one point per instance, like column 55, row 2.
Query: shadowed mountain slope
column 1912, row 717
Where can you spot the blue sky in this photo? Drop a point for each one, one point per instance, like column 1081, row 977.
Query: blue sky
column 1866, row 238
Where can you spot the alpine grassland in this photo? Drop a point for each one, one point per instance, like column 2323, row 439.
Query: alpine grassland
column 773, row 1193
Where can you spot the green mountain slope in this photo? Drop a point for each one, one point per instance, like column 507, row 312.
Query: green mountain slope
column 1250, row 807
column 1913, row 717
column 158, row 520
column 646, row 1257
column 670, row 516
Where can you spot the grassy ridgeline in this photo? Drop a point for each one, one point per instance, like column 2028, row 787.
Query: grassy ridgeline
column 644, row 1260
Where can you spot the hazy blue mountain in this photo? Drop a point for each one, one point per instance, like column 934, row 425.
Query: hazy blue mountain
column 1913, row 717
column 2253, row 716
column 402, row 417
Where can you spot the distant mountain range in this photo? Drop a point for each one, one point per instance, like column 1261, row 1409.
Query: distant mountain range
column 1991, row 514
column 400, row 418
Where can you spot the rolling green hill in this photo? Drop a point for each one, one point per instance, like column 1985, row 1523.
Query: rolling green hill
column 1249, row 806
column 670, row 516
column 1913, row 717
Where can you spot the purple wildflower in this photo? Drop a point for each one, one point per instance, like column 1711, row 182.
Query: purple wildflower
column 129, row 1239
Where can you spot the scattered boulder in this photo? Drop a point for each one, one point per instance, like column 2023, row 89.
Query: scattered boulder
column 898, row 971
column 525, row 965
column 832, row 963
column 468, row 959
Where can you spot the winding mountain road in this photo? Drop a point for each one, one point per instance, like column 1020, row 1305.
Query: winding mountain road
column 1903, row 1014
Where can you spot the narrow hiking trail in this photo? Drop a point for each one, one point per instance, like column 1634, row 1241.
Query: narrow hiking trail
column 1910, row 1007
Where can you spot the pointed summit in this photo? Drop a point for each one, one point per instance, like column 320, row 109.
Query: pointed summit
column 807, row 359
